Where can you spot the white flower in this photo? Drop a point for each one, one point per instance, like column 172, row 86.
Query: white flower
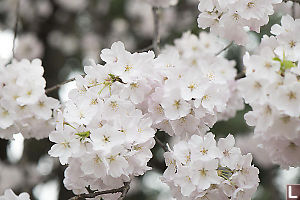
column 205, row 173
column 184, row 180
column 66, row 145
column 117, row 163
column 174, row 106
column 204, row 148
column 230, row 154
column 106, row 137
column 94, row 164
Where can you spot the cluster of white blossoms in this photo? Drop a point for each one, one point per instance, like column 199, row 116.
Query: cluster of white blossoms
column 232, row 18
column 24, row 107
column 106, row 130
column 197, row 88
column 201, row 169
column 101, row 134
column 272, row 88
column 10, row 195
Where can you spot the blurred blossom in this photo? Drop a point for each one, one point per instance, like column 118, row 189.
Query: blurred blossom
column 68, row 44
column 45, row 165
column 141, row 13
column 186, row 18
column 29, row 47
column 44, row 8
column 120, row 31
column 152, row 182
column 103, row 6
column 287, row 176
column 91, row 46
column 120, row 25
column 29, row 10
column 15, row 148
column 74, row 5
column 162, row 3
column 250, row 144
column 47, row 191
column 10, row 177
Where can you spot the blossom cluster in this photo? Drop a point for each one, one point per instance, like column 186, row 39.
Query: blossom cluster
column 201, row 169
column 105, row 131
column 101, row 134
column 272, row 88
column 197, row 88
column 24, row 106
column 222, row 17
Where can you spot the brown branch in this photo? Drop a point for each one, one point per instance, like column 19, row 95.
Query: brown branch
column 124, row 189
column 156, row 37
column 160, row 143
column 59, row 85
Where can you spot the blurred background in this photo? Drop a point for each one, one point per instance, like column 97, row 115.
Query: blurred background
column 65, row 35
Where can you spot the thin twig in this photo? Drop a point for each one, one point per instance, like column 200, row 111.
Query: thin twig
column 225, row 48
column 16, row 27
column 160, row 143
column 59, row 85
column 124, row 189
column 156, row 37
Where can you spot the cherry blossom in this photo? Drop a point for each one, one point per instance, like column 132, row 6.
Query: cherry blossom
column 274, row 98
column 24, row 107
column 200, row 168
column 224, row 16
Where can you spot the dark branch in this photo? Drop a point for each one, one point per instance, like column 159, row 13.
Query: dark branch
column 156, row 37
column 16, row 27
column 160, row 143
column 124, row 189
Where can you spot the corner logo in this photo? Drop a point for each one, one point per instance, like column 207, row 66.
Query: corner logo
column 293, row 192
